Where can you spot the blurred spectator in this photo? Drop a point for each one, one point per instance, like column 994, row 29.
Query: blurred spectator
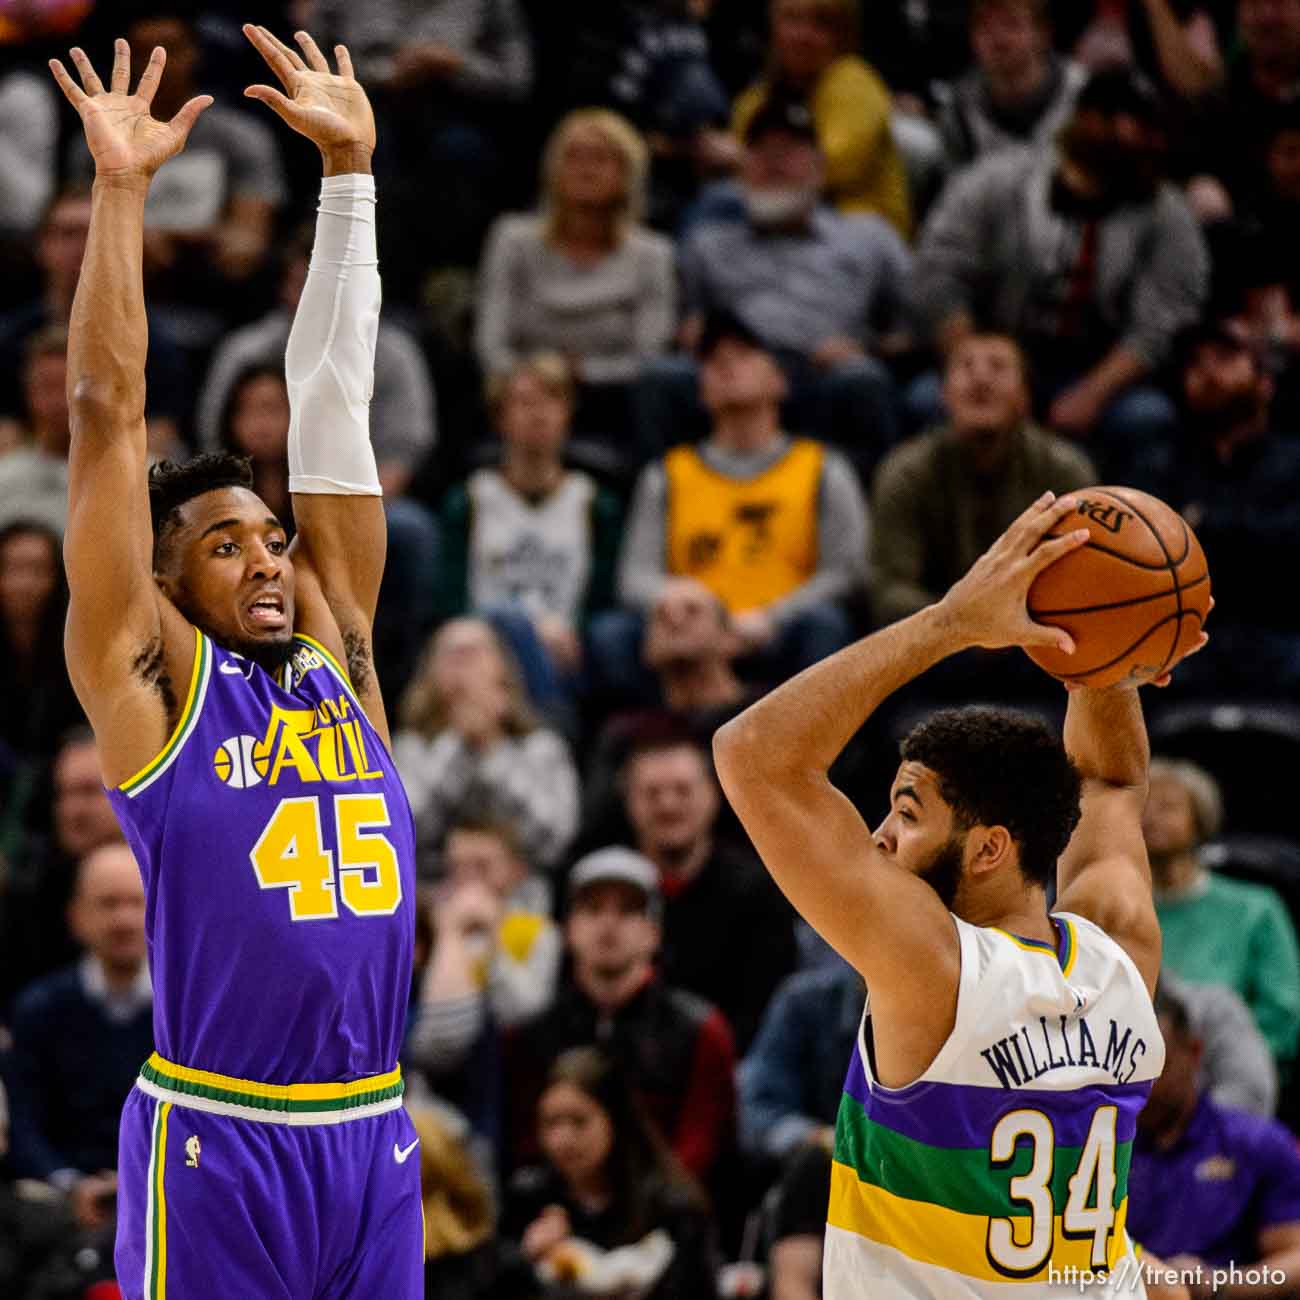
column 496, row 950
column 728, row 933
column 59, row 247
column 37, row 705
column 941, row 499
column 775, row 527
column 1263, row 79
column 533, row 537
column 651, row 60
column 1085, row 255
column 813, row 58
column 820, row 290
column 29, row 137
column 611, row 1213
column 1209, row 1184
column 469, row 743
column 402, row 412
column 255, row 423
column 477, row 49
column 1173, row 42
column 676, row 1049
column 798, row 1224
column 34, row 471
column 1019, row 92
column 792, row 1079
column 42, row 872
column 691, row 648
column 41, row 19
column 465, row 1085
column 211, row 209
column 80, row 1037
column 444, row 76
column 1237, row 482
column 1217, row 930
column 1237, row 1067
column 583, row 276
column 465, row 1260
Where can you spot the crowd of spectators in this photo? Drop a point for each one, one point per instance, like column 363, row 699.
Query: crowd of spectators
column 716, row 333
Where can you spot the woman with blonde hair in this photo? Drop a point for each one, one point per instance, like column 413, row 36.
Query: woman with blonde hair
column 581, row 276
column 813, row 58
column 469, row 745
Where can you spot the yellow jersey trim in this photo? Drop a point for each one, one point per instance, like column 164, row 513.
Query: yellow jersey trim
column 277, row 1092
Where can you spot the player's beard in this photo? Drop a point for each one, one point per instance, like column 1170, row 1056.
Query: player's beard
column 270, row 656
column 943, row 872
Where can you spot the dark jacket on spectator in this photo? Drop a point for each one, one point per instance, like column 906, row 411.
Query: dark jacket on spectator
column 690, row 1274
column 728, row 937
column 73, row 1066
column 678, row 1053
column 793, row 1078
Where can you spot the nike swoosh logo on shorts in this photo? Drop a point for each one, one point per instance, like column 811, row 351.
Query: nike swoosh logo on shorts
column 400, row 1153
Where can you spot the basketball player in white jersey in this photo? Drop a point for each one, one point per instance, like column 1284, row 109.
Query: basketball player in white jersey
column 983, row 1139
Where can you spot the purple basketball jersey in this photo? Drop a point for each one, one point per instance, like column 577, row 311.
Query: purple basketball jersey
column 278, row 856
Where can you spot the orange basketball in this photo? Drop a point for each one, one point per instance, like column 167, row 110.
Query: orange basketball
column 1133, row 597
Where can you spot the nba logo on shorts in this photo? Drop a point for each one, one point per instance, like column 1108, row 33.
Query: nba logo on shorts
column 241, row 761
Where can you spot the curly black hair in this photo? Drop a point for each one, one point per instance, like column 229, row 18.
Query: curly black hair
column 996, row 767
column 172, row 485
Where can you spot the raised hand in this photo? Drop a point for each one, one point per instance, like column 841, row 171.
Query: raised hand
column 124, row 138
column 989, row 605
column 330, row 109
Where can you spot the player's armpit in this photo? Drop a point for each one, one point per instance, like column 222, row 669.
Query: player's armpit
column 330, row 611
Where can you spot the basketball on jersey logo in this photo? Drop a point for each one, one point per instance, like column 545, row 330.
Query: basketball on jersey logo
column 241, row 761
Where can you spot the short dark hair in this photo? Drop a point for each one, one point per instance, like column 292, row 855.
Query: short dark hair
column 171, row 485
column 996, row 767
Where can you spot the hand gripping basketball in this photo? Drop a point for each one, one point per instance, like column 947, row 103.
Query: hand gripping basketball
column 989, row 606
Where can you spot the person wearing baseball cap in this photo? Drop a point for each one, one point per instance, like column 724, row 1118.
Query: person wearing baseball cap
column 619, row 866
column 677, row 1049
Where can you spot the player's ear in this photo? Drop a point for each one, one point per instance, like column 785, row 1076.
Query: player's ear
column 988, row 847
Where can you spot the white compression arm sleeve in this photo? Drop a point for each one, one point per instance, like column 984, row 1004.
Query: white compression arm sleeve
column 330, row 360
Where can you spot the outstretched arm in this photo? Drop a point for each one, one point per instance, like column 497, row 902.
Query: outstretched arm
column 1104, row 873
column 123, row 639
column 330, row 363
column 774, row 761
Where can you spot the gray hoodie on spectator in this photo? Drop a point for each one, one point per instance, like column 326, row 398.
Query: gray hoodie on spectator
column 995, row 246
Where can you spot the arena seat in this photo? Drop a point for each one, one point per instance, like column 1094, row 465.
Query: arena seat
column 1251, row 749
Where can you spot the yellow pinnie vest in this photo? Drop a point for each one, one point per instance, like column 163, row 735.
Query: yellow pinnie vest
column 750, row 541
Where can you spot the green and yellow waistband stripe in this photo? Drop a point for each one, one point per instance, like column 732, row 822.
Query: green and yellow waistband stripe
column 291, row 1103
column 189, row 716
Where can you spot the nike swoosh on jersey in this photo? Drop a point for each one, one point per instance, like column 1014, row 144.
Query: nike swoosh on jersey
column 233, row 669
column 400, row 1153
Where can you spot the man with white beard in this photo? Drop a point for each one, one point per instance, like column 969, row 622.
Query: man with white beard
column 819, row 289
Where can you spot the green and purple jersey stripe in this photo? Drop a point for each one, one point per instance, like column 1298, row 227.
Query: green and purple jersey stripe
column 956, row 1115
column 957, row 1178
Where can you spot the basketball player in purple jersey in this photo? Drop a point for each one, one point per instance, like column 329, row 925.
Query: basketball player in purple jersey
column 228, row 676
